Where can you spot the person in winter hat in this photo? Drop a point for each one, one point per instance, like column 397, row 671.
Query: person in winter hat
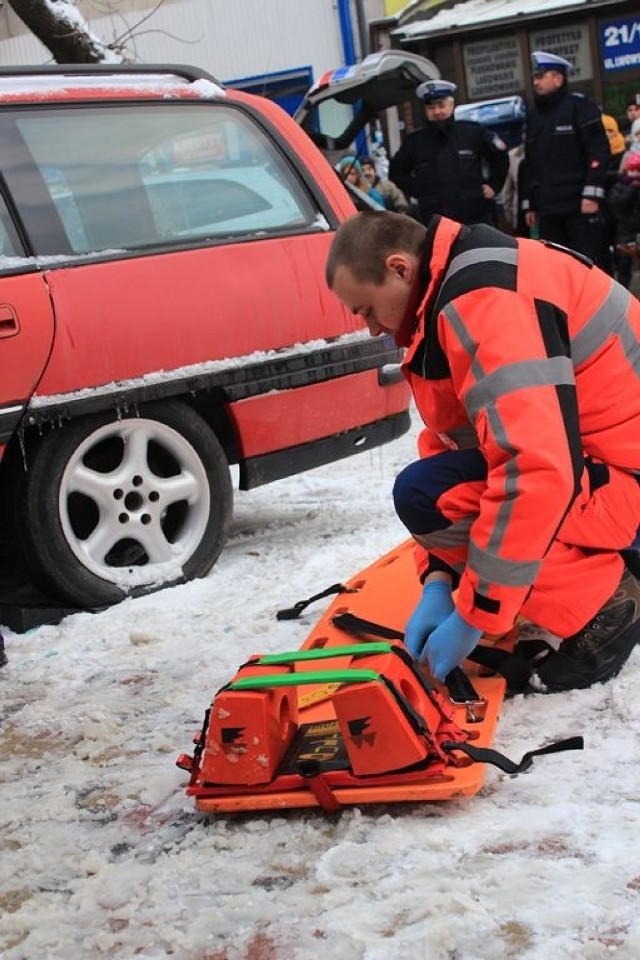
column 350, row 170
column 393, row 197
column 633, row 143
column 614, row 261
column 617, row 143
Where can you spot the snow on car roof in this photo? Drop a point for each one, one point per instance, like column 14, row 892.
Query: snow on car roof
column 53, row 86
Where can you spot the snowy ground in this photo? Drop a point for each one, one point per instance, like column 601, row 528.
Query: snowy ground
column 102, row 855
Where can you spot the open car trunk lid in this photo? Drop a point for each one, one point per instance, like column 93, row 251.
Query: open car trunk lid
column 343, row 101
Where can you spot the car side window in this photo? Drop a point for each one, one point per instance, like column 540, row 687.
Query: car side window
column 330, row 118
column 62, row 195
column 225, row 179
column 155, row 174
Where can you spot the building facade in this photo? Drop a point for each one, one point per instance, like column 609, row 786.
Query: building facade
column 484, row 46
column 277, row 48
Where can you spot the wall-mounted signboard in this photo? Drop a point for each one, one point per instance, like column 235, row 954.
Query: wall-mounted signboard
column 570, row 42
column 493, row 68
column 620, row 44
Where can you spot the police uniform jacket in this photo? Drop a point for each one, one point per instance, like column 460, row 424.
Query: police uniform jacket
column 444, row 165
column 529, row 354
column 566, row 154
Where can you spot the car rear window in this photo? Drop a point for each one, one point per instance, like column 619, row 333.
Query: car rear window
column 150, row 174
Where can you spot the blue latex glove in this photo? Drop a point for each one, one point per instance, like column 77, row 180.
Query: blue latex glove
column 434, row 607
column 449, row 644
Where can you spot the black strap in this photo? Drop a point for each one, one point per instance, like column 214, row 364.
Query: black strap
column 199, row 747
column 515, row 670
column 487, row 755
column 292, row 613
column 460, row 688
column 359, row 627
column 516, row 667
column 511, row 666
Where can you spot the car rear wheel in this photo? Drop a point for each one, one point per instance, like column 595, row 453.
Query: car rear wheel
column 113, row 506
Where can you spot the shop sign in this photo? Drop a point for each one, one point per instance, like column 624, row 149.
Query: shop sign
column 493, row 68
column 620, row 44
column 570, row 42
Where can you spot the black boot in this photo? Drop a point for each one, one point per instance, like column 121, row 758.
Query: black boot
column 598, row 651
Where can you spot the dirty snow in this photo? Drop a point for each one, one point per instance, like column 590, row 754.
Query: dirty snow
column 103, row 856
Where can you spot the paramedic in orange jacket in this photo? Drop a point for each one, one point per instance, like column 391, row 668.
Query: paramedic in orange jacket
column 524, row 361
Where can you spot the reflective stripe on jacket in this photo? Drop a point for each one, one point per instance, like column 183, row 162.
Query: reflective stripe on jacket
column 513, row 338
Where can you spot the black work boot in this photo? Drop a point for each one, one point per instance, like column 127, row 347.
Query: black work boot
column 598, row 651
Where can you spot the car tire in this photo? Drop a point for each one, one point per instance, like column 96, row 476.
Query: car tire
column 113, row 506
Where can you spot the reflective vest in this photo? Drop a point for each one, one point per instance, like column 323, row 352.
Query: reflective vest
column 533, row 355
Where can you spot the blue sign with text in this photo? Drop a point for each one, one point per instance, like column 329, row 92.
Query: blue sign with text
column 620, row 44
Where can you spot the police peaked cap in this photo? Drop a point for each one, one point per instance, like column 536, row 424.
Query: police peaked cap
column 432, row 90
column 541, row 60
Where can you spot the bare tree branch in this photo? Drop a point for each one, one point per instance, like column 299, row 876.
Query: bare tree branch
column 60, row 26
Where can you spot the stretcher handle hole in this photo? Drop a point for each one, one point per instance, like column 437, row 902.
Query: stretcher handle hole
column 283, row 713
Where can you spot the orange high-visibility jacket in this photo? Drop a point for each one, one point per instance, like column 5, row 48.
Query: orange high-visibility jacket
column 531, row 354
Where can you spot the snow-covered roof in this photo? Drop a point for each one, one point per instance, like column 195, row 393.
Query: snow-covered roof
column 476, row 13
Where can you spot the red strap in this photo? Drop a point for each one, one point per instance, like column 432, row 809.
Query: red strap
column 321, row 790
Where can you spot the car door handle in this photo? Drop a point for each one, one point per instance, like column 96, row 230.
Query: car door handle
column 390, row 373
column 9, row 324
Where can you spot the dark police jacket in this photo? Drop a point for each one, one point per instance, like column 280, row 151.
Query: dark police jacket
column 566, row 154
column 444, row 165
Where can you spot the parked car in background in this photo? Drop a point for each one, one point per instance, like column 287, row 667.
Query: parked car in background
column 164, row 315
column 505, row 116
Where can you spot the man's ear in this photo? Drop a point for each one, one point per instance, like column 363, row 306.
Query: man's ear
column 402, row 265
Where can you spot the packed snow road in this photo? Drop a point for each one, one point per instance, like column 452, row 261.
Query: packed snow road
column 103, row 856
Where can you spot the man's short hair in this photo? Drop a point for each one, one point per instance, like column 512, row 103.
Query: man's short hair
column 363, row 242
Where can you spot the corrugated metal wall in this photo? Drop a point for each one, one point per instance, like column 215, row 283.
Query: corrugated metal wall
column 230, row 38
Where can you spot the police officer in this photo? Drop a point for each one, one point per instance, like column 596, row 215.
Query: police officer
column 451, row 167
column 566, row 160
